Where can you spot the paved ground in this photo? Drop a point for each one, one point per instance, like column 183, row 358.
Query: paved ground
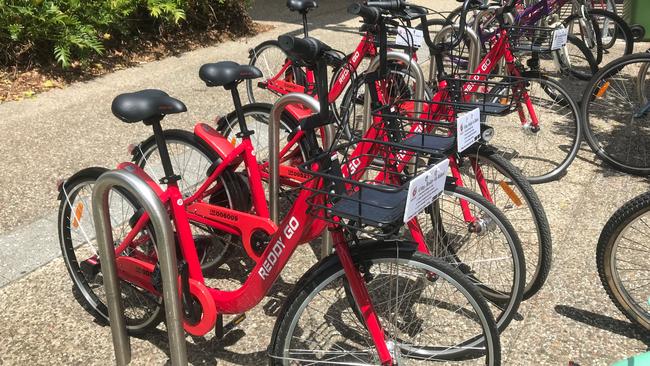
column 64, row 130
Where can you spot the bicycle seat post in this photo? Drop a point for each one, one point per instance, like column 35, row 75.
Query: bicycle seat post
column 169, row 177
column 304, row 24
column 243, row 127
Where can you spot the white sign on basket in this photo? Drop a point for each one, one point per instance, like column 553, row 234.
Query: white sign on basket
column 409, row 37
column 425, row 189
column 468, row 129
column 560, row 37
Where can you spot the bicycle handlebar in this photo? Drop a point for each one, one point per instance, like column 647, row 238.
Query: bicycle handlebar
column 390, row 5
column 306, row 49
column 315, row 54
column 370, row 15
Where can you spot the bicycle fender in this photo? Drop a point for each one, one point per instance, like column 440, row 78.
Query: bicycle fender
column 62, row 185
column 140, row 173
column 214, row 140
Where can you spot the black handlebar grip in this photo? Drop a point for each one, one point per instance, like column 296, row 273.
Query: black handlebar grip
column 369, row 14
column 304, row 48
column 307, row 49
column 390, row 5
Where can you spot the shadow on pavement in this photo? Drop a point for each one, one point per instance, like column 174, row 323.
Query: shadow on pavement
column 209, row 352
column 623, row 328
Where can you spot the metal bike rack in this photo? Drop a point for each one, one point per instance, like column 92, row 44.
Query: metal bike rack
column 640, row 84
column 166, row 255
column 474, row 48
column 415, row 71
column 274, row 154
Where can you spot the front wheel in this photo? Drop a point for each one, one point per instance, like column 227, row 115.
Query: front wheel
column 485, row 171
column 622, row 257
column 541, row 136
column 428, row 312
column 471, row 234
column 615, row 106
column 614, row 36
column 576, row 59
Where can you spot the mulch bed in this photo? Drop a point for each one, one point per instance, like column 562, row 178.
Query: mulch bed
column 22, row 82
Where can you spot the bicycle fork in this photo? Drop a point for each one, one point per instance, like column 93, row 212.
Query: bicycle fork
column 361, row 296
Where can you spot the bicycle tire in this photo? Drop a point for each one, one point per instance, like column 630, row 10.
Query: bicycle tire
column 399, row 86
column 424, row 57
column 622, row 31
column 517, row 192
column 371, row 256
column 587, row 56
column 602, row 96
column 607, row 252
column 90, row 290
column 594, row 36
column 296, row 74
column 233, row 195
column 553, row 167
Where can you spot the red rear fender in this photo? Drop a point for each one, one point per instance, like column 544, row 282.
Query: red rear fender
column 214, row 139
column 132, row 168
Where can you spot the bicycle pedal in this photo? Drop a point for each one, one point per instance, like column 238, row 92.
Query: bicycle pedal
column 90, row 268
column 465, row 269
column 222, row 330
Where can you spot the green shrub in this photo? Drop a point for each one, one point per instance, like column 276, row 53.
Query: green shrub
column 67, row 30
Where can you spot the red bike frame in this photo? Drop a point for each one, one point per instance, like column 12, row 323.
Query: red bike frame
column 365, row 48
column 298, row 227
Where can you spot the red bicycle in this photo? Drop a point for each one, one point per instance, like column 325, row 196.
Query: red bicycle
column 500, row 239
column 378, row 301
column 484, row 170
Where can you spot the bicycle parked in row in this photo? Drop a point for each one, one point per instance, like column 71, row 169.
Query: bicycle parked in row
column 596, row 33
column 423, row 269
column 347, row 213
column 484, row 169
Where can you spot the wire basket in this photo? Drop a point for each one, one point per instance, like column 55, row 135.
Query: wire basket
column 530, row 38
column 364, row 192
column 493, row 95
column 433, row 129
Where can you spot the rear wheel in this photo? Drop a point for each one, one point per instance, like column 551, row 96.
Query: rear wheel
column 257, row 117
column 142, row 310
column 428, row 311
column 399, row 84
column 455, row 61
column 191, row 159
column 270, row 59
